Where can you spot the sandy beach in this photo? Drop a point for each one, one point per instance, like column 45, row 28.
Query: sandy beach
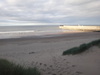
column 45, row 53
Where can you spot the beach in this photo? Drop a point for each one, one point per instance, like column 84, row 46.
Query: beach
column 45, row 53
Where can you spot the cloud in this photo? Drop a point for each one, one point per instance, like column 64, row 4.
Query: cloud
column 50, row 11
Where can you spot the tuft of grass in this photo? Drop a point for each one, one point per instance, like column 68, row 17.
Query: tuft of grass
column 70, row 51
column 98, row 45
column 8, row 68
column 81, row 48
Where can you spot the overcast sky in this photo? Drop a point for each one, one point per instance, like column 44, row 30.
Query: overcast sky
column 13, row 12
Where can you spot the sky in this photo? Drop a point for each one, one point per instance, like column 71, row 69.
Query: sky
column 49, row 12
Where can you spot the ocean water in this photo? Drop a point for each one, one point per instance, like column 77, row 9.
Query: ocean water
column 28, row 31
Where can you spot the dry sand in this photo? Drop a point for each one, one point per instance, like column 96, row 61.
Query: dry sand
column 46, row 54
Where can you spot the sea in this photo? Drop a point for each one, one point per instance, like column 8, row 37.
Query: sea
column 7, row 32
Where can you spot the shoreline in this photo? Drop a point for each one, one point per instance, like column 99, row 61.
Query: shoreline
column 57, row 35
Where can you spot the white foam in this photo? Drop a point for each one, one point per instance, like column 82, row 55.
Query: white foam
column 15, row 34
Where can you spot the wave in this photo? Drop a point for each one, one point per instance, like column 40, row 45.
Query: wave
column 16, row 34
column 7, row 32
column 27, row 33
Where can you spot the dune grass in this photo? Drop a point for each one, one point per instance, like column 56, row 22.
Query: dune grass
column 81, row 48
column 8, row 68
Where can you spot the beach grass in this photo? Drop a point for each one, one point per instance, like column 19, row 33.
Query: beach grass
column 81, row 48
column 8, row 68
column 99, row 45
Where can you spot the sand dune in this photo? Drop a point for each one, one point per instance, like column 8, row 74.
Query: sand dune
column 46, row 54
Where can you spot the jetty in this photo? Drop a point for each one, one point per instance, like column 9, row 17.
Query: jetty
column 80, row 28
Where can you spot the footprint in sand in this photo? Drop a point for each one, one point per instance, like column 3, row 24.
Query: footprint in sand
column 43, row 70
column 49, row 73
column 45, row 64
column 31, row 52
column 40, row 63
column 78, row 72
column 58, row 68
column 50, row 65
column 73, row 65
column 53, row 74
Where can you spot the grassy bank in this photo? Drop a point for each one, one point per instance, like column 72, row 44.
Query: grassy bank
column 8, row 68
column 81, row 48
